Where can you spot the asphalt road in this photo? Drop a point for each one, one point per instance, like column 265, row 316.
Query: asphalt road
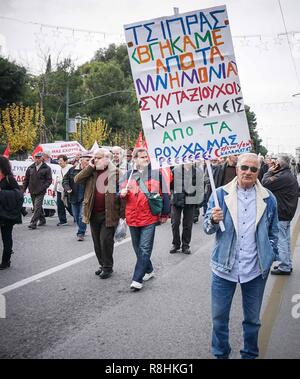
column 71, row 313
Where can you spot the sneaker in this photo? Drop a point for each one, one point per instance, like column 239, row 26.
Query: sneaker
column 32, row 226
column 186, row 250
column 136, row 286
column 174, row 250
column 80, row 238
column 148, row 276
column 62, row 224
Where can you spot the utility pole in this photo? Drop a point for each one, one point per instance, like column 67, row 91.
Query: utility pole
column 67, row 110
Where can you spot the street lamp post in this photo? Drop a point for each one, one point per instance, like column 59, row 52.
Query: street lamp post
column 84, row 120
column 78, row 118
column 80, row 121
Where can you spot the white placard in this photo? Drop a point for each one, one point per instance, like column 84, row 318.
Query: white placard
column 187, row 86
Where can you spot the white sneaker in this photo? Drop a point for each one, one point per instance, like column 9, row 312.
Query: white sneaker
column 148, row 276
column 136, row 285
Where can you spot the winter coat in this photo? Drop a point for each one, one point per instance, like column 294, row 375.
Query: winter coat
column 266, row 228
column 37, row 181
column 187, row 186
column 138, row 211
column 68, row 183
column 11, row 201
column 285, row 187
column 114, row 206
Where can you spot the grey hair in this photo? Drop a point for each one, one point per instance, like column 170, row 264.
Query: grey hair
column 283, row 160
column 104, row 152
column 250, row 156
column 138, row 150
column 117, row 149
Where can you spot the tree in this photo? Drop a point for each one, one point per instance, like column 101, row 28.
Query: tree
column 92, row 131
column 20, row 127
column 49, row 89
column 12, row 84
column 115, row 53
column 119, row 109
column 258, row 148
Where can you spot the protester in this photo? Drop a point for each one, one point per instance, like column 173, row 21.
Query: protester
column 223, row 173
column 76, row 159
column 139, row 217
column 76, row 194
column 187, row 192
column 102, row 207
column 38, row 178
column 284, row 186
column 242, row 254
column 263, row 168
column 129, row 163
column 207, row 189
column 11, row 200
column 118, row 158
column 48, row 160
column 293, row 167
column 58, row 188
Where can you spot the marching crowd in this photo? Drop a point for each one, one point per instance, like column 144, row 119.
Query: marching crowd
column 256, row 201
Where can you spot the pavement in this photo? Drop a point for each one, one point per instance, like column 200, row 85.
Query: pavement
column 57, row 308
column 281, row 316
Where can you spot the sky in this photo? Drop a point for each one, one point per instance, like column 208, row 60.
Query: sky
column 268, row 59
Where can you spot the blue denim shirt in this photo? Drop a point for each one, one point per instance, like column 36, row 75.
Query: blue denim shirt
column 266, row 228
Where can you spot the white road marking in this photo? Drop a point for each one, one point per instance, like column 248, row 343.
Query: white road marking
column 33, row 278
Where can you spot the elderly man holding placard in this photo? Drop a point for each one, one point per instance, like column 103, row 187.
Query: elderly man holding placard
column 243, row 253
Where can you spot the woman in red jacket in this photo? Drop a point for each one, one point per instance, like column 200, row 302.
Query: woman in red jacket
column 139, row 217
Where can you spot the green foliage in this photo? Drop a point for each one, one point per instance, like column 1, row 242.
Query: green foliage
column 258, row 148
column 94, row 85
column 12, row 82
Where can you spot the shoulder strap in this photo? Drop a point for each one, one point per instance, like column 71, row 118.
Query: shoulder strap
column 143, row 187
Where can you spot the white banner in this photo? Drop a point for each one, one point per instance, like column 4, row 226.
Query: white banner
column 70, row 149
column 19, row 169
column 187, row 85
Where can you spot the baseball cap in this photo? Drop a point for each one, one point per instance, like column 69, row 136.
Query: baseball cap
column 38, row 155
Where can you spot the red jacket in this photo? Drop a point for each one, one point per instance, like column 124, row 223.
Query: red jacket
column 137, row 211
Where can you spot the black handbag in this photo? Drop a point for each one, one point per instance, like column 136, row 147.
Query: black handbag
column 155, row 201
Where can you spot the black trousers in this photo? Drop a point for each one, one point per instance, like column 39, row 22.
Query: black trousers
column 6, row 233
column 103, row 239
column 187, row 225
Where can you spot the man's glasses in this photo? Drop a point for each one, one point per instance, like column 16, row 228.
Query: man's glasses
column 244, row 167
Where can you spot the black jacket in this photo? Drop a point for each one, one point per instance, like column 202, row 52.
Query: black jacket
column 11, row 201
column 77, row 194
column 219, row 175
column 285, row 187
column 37, row 181
column 184, row 184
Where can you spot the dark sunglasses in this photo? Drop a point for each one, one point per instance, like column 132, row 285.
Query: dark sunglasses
column 244, row 167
